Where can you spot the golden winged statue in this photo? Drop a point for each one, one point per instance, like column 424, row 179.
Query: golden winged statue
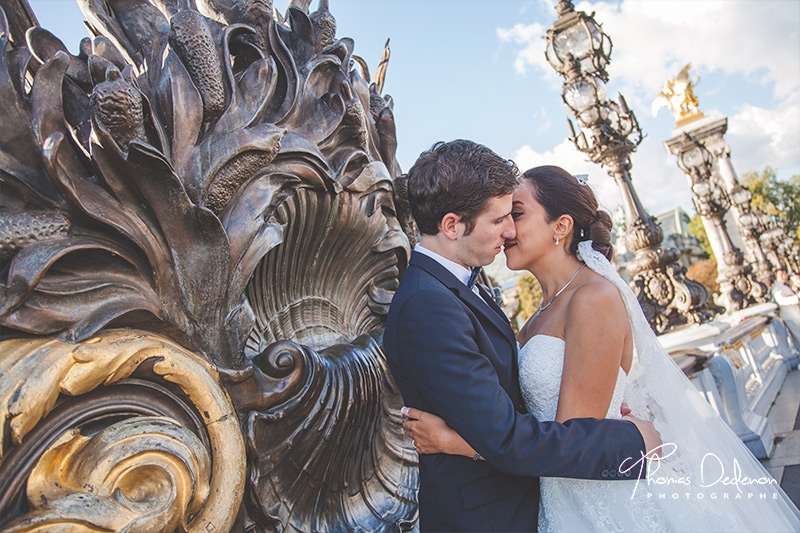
column 678, row 95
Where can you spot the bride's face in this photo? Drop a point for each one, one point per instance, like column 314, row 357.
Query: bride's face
column 535, row 235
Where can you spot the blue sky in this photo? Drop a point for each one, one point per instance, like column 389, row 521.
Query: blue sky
column 476, row 70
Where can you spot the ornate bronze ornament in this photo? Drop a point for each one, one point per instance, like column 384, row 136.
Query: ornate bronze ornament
column 198, row 246
column 608, row 132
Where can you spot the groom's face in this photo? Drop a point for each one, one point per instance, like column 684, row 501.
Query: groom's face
column 492, row 227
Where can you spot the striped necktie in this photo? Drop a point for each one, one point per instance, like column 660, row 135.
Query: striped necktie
column 473, row 277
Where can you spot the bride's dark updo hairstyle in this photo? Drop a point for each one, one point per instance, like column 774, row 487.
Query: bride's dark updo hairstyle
column 560, row 194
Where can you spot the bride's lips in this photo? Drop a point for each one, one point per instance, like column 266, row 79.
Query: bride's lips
column 508, row 246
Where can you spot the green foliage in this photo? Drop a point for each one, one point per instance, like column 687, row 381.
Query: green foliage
column 704, row 272
column 529, row 293
column 697, row 231
column 775, row 197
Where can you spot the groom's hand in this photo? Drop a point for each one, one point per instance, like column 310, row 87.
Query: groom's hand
column 651, row 436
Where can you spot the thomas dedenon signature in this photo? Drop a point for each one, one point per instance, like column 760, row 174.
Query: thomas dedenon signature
column 712, row 472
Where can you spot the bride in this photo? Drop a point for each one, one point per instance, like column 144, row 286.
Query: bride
column 585, row 351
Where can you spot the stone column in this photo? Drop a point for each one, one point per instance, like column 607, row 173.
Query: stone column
column 737, row 285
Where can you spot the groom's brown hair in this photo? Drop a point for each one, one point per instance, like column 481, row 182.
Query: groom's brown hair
column 457, row 177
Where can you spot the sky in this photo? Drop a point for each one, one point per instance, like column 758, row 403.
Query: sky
column 476, row 70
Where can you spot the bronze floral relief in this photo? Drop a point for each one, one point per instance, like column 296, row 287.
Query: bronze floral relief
column 215, row 178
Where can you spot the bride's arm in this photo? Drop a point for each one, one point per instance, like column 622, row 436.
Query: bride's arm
column 431, row 434
column 596, row 329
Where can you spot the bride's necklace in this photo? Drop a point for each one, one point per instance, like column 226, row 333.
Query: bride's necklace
column 545, row 306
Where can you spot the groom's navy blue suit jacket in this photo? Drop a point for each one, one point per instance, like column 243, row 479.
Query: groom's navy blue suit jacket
column 453, row 354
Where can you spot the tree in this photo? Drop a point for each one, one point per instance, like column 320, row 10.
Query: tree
column 698, row 231
column 529, row 293
column 775, row 197
column 704, row 272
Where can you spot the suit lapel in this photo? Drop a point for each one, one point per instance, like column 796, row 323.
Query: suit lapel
column 490, row 311
column 487, row 297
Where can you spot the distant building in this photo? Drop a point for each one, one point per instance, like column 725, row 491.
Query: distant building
column 676, row 235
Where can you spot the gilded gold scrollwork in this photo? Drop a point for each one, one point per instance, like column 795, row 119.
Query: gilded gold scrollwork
column 140, row 474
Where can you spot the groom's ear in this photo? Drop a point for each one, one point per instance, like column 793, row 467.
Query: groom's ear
column 449, row 225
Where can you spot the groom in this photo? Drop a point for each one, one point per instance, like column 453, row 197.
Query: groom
column 452, row 353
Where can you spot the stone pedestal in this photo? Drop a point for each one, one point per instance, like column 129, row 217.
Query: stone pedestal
column 750, row 353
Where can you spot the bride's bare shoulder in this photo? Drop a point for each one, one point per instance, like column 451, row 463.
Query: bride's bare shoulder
column 595, row 298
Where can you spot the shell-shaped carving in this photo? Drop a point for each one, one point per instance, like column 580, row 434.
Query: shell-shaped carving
column 320, row 287
column 329, row 451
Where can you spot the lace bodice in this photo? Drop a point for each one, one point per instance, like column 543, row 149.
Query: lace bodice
column 574, row 504
column 541, row 362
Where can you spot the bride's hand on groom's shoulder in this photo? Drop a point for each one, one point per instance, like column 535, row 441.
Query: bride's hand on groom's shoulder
column 651, row 436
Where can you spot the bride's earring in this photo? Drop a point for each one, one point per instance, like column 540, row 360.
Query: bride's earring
column 556, row 240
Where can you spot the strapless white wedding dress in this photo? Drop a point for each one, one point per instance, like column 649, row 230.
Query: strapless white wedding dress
column 575, row 504
column 686, row 490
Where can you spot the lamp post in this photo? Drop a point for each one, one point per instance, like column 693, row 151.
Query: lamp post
column 740, row 203
column 737, row 287
column 791, row 253
column 750, row 230
column 770, row 239
column 779, row 248
column 608, row 132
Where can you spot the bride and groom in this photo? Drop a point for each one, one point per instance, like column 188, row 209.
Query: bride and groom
column 493, row 421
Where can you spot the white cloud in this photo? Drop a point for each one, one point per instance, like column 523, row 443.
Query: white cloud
column 532, row 53
column 654, row 39
column 760, row 137
column 542, row 117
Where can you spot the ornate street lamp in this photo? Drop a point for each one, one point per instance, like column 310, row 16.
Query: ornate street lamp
column 790, row 253
column 608, row 132
column 737, row 286
column 780, row 249
column 750, row 230
column 770, row 240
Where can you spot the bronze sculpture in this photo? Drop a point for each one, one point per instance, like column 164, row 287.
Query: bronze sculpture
column 198, row 246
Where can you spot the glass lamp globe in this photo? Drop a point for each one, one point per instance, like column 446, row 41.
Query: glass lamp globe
column 741, row 196
column 589, row 117
column 584, row 94
column 583, row 40
column 746, row 220
column 692, row 158
column 702, row 188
